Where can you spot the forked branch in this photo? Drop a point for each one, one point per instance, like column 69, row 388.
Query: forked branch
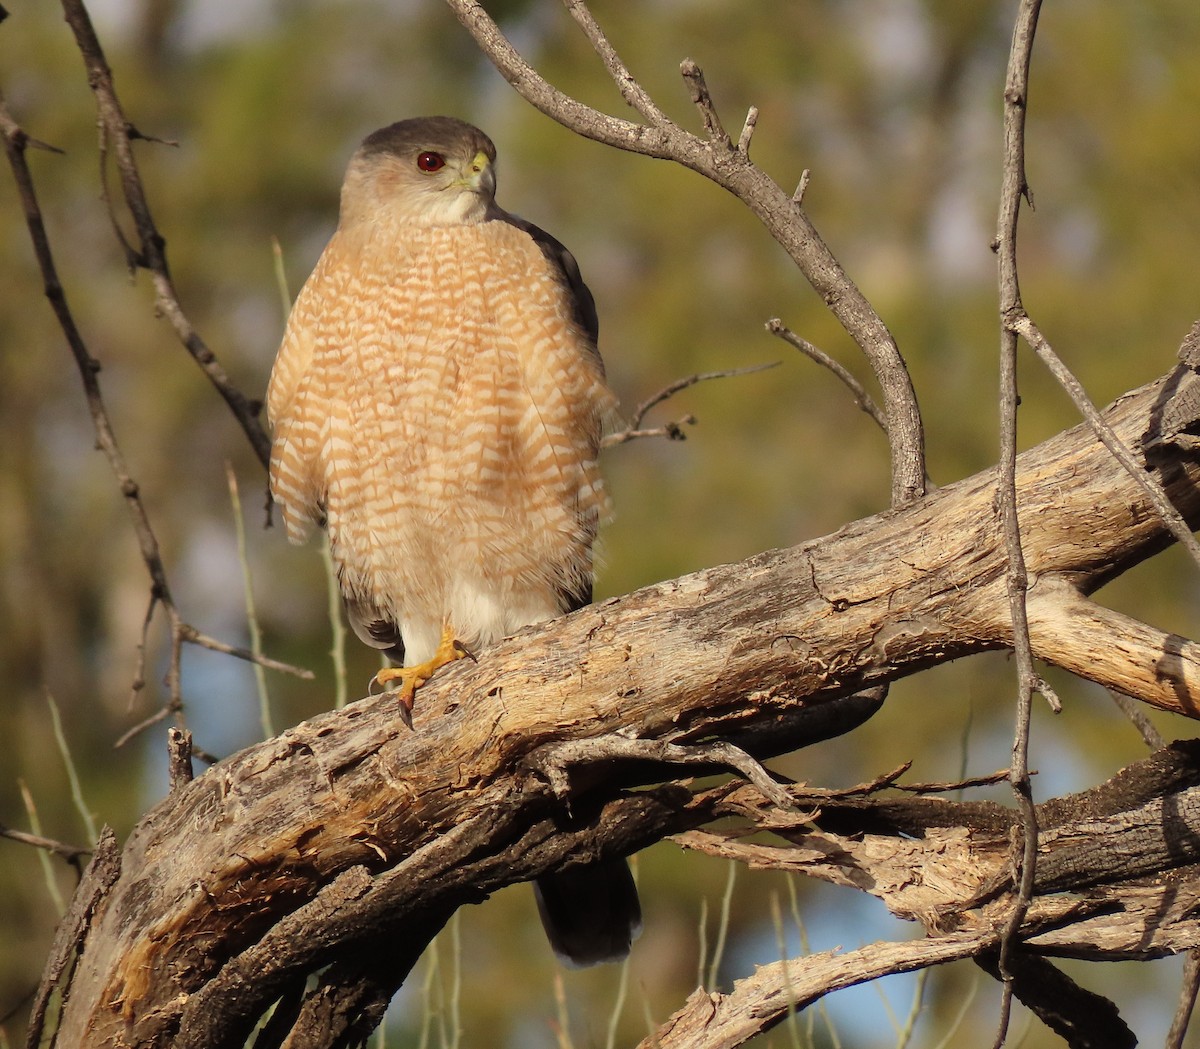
column 1014, row 188
column 673, row 429
column 718, row 158
column 16, row 141
column 117, row 135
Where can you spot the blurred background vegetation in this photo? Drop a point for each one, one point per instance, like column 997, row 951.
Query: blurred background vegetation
column 893, row 105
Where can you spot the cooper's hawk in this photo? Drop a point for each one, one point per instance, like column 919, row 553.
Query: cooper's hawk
column 438, row 403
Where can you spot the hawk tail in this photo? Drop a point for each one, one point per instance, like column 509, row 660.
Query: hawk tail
column 591, row 914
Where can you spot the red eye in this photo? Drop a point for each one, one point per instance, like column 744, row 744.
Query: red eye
column 429, row 162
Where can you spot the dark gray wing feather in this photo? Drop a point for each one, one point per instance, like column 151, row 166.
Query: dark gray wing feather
column 584, row 308
column 559, row 257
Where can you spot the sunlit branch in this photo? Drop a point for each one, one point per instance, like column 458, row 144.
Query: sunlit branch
column 716, row 157
column 673, row 430
column 1013, row 188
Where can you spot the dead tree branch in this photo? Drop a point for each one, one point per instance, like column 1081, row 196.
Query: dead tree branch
column 1014, row 188
column 117, row 135
column 862, row 399
column 715, row 156
column 673, row 430
column 759, row 1002
column 73, row 854
column 1022, row 324
column 947, row 865
column 180, row 632
column 755, row 654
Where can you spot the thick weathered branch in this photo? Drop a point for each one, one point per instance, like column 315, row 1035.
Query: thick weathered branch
column 757, row 1003
column 932, row 860
column 948, row 865
column 743, row 652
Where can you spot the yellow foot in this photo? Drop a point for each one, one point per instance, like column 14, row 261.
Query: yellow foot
column 412, row 678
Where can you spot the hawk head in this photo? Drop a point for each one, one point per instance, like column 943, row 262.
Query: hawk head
column 428, row 171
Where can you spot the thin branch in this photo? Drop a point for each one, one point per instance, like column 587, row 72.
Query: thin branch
column 633, row 92
column 673, row 430
column 161, row 714
column 15, row 142
column 117, row 135
column 1132, row 709
column 751, row 122
column 886, row 779
column 535, row 89
column 955, row 785
column 801, row 188
column 1013, row 187
column 71, row 853
column 861, row 398
column 758, row 1002
column 1187, row 1002
column 675, row 387
column 139, row 671
column 693, row 76
column 556, row 761
column 193, row 636
column 1021, row 323
column 1082, row 1018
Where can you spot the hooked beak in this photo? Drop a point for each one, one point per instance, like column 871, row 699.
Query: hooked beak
column 480, row 176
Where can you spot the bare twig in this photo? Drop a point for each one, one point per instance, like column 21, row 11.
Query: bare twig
column 716, row 158
column 801, row 188
column 556, row 761
column 673, row 430
column 1013, row 188
column 861, row 398
column 1187, row 1002
column 1021, row 323
column 955, row 785
column 748, row 126
column 89, row 368
column 71, row 853
column 1133, row 710
column 179, row 758
column 693, row 76
column 633, row 92
column 758, row 1002
column 193, row 636
column 160, row 715
column 117, row 136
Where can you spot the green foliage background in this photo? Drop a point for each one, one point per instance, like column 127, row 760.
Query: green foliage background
column 893, row 105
